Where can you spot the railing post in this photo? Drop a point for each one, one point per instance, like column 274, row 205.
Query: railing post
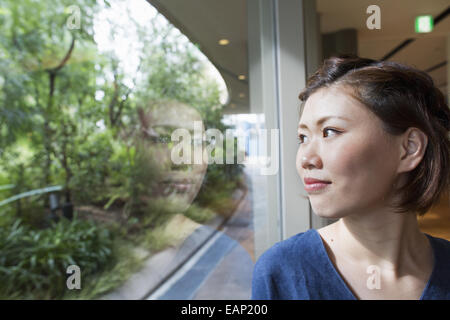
column 54, row 205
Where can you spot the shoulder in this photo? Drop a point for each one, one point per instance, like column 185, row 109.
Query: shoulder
column 439, row 287
column 287, row 252
column 442, row 249
column 281, row 268
column 441, row 245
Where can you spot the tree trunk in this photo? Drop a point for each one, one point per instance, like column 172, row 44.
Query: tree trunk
column 52, row 73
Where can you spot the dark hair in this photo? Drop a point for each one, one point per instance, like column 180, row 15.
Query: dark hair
column 402, row 97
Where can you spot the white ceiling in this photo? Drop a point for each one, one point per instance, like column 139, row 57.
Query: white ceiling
column 206, row 21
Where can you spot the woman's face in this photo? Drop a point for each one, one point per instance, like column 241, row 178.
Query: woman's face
column 354, row 153
column 179, row 182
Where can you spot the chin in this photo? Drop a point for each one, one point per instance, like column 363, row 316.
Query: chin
column 329, row 216
column 327, row 212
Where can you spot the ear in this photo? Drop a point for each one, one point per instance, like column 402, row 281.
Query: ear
column 412, row 149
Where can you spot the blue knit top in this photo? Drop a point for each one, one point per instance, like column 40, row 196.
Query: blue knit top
column 299, row 268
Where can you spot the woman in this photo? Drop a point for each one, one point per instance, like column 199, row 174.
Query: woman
column 374, row 153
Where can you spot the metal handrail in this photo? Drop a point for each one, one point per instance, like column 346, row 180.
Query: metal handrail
column 30, row 193
column 7, row 186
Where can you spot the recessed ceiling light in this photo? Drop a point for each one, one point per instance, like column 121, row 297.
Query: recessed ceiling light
column 224, row 42
column 241, row 77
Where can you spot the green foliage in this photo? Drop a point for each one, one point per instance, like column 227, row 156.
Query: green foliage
column 33, row 39
column 227, row 176
column 36, row 260
column 156, row 239
column 123, row 264
column 90, row 168
column 158, row 211
column 199, row 214
column 74, row 123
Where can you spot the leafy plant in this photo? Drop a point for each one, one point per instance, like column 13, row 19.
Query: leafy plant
column 36, row 260
column 63, row 107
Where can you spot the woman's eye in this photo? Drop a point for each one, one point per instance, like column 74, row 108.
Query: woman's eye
column 302, row 137
column 326, row 129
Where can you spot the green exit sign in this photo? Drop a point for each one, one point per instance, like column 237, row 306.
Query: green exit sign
column 424, row 24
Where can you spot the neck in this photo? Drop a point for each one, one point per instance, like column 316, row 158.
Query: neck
column 389, row 240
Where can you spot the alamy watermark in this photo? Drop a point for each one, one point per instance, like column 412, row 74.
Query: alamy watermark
column 74, row 20
column 374, row 280
column 374, row 20
column 73, row 281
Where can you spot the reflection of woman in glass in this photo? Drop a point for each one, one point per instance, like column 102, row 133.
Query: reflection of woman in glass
column 182, row 182
column 374, row 152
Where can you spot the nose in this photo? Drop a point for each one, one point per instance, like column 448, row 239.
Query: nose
column 310, row 159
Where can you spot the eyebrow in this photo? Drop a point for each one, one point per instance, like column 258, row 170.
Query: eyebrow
column 322, row 120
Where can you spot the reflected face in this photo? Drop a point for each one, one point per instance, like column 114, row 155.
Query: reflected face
column 179, row 182
column 350, row 150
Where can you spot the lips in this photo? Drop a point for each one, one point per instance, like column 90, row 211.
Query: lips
column 177, row 187
column 314, row 181
column 314, row 185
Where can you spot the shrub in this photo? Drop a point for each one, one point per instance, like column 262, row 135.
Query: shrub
column 34, row 262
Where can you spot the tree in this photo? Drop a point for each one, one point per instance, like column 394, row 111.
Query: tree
column 69, row 103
